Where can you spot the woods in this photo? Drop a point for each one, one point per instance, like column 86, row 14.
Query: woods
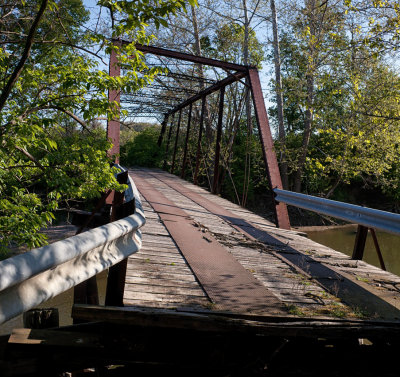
column 329, row 69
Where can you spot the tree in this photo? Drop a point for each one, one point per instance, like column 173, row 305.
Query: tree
column 53, row 88
column 355, row 128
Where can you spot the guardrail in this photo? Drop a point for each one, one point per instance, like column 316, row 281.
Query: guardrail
column 370, row 218
column 366, row 218
column 29, row 279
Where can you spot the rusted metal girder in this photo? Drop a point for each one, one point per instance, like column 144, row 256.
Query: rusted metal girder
column 198, row 153
column 186, row 141
column 189, row 57
column 211, row 89
column 176, row 141
column 271, row 163
column 378, row 249
column 113, row 125
column 218, row 141
column 168, row 141
column 359, row 244
column 163, row 129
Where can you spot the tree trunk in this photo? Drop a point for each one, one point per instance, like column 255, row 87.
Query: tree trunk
column 246, row 60
column 197, row 50
column 279, row 98
column 308, row 121
column 306, row 134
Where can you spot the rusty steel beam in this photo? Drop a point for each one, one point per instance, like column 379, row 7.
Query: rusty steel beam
column 211, row 89
column 359, row 244
column 198, row 153
column 168, row 141
column 113, row 126
column 218, row 141
column 186, row 142
column 163, row 129
column 176, row 141
column 378, row 249
column 189, row 57
column 271, row 163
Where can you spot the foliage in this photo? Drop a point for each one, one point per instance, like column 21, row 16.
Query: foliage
column 355, row 121
column 142, row 149
column 54, row 85
column 228, row 45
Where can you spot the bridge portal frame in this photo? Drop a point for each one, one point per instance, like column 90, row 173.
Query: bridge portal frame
column 250, row 73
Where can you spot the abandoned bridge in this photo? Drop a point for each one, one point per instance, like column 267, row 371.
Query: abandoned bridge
column 201, row 286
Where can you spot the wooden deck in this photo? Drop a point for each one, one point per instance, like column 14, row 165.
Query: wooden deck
column 298, row 276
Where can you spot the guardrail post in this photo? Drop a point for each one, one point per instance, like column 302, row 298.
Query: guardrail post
column 168, row 141
column 117, row 273
column 176, row 141
column 359, row 244
column 198, row 153
column 267, row 143
column 186, row 142
column 218, row 141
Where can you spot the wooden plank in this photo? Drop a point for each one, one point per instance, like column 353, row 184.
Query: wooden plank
column 165, row 289
column 271, row 326
column 171, row 298
column 161, row 274
column 162, row 281
column 168, row 259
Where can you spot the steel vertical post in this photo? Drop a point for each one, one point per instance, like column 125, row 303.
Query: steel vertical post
column 271, row 163
column 113, row 126
column 203, row 108
column 359, row 244
column 163, row 129
column 168, row 141
column 176, row 141
column 186, row 141
column 218, row 141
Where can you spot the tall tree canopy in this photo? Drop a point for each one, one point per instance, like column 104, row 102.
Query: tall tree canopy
column 53, row 91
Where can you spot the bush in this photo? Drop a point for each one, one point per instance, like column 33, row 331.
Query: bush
column 142, row 149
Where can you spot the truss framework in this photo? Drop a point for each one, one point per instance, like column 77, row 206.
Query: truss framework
column 181, row 96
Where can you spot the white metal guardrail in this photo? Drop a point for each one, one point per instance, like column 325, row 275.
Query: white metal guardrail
column 371, row 218
column 29, row 279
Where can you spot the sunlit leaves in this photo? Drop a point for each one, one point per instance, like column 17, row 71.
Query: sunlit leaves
column 52, row 147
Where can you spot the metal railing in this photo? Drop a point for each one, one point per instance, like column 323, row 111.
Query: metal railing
column 370, row 218
column 32, row 278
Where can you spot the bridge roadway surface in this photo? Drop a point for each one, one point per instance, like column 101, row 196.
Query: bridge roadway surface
column 202, row 252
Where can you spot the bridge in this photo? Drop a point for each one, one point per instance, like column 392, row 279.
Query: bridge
column 198, row 285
